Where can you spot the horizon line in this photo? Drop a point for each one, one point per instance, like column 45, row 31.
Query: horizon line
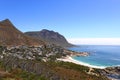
column 94, row 41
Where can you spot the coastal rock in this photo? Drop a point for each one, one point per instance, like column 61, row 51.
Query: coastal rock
column 112, row 73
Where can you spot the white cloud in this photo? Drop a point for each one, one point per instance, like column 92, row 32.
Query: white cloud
column 95, row 41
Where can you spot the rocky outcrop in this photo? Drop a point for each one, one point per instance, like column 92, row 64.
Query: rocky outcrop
column 50, row 37
column 38, row 68
column 113, row 73
column 11, row 36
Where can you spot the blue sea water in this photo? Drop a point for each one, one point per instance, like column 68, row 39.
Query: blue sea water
column 103, row 56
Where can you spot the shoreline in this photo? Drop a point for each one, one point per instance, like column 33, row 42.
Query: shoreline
column 70, row 59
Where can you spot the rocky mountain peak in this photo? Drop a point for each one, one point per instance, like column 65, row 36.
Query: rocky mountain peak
column 50, row 36
column 6, row 22
column 10, row 35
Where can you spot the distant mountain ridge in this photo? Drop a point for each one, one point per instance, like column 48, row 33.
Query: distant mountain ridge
column 11, row 36
column 50, row 37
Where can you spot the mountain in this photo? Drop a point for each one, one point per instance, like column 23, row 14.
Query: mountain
column 11, row 36
column 50, row 37
column 38, row 62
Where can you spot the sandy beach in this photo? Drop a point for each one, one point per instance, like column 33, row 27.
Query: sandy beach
column 70, row 59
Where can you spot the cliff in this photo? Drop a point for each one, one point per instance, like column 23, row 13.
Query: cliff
column 50, row 37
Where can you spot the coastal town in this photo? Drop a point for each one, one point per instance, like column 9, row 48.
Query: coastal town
column 43, row 52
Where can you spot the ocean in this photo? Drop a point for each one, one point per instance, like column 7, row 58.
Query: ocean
column 100, row 55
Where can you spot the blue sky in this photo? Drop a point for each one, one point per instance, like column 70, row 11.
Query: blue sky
column 71, row 18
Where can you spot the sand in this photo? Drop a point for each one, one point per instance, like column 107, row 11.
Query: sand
column 70, row 59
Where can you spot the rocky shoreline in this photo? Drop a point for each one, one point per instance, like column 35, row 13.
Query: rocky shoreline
column 73, row 53
column 113, row 73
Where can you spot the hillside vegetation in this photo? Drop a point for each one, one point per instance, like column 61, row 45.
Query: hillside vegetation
column 16, row 64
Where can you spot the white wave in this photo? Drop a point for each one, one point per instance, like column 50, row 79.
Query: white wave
column 116, row 59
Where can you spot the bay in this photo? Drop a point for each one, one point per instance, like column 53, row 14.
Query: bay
column 100, row 55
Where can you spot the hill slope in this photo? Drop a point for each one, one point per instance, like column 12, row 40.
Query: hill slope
column 50, row 37
column 11, row 36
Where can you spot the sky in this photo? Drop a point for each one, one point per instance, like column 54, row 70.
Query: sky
column 75, row 19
